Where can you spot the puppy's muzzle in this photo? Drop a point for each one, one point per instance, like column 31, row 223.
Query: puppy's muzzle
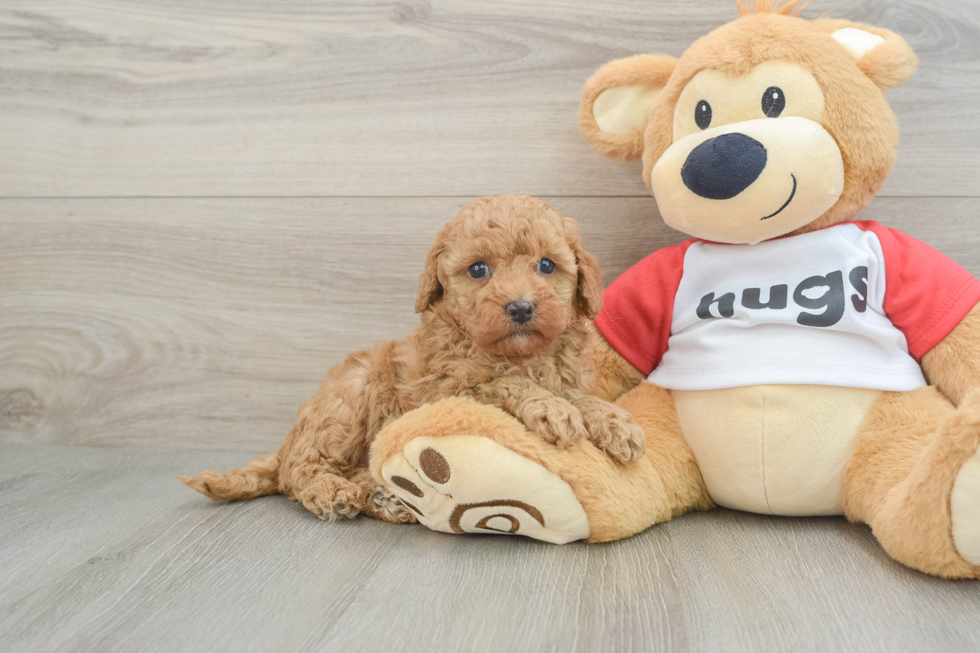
column 520, row 310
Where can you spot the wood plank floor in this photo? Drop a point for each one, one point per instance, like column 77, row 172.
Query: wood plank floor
column 104, row 549
column 205, row 205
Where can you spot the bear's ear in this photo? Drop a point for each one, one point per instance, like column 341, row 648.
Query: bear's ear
column 881, row 54
column 616, row 103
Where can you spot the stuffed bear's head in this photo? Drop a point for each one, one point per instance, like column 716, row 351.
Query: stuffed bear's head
column 769, row 125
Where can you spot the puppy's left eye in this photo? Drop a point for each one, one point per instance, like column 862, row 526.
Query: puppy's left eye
column 546, row 266
column 478, row 270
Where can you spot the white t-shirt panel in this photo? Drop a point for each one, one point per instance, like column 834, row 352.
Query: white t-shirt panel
column 800, row 310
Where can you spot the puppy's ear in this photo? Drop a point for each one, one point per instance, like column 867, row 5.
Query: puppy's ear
column 881, row 54
column 430, row 290
column 588, row 296
column 617, row 100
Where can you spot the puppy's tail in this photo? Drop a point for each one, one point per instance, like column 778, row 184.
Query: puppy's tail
column 256, row 479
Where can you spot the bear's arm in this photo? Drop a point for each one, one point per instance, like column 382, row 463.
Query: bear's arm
column 615, row 376
column 933, row 301
column 953, row 365
column 632, row 329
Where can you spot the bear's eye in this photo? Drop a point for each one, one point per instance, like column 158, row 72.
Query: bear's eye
column 702, row 114
column 546, row 266
column 479, row 270
column 773, row 102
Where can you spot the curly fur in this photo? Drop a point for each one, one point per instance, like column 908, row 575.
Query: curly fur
column 466, row 345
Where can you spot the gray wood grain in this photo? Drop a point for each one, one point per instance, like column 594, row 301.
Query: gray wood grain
column 205, row 323
column 414, row 98
column 104, row 550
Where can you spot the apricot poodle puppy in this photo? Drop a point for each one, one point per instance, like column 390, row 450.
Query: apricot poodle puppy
column 506, row 300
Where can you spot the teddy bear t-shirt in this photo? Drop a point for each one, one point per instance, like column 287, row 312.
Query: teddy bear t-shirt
column 853, row 305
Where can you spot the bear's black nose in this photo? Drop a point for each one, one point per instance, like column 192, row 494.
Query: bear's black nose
column 520, row 310
column 722, row 167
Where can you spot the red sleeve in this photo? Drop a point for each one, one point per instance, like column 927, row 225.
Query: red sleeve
column 638, row 306
column 926, row 293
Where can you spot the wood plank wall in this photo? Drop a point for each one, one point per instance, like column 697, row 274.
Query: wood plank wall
column 205, row 205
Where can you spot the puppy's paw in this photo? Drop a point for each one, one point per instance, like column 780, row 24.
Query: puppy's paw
column 332, row 498
column 386, row 506
column 556, row 420
column 614, row 431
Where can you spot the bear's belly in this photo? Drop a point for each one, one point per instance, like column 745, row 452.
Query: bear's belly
column 774, row 449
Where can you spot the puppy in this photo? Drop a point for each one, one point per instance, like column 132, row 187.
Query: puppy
column 506, row 301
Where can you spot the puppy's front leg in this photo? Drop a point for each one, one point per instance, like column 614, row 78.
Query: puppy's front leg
column 611, row 428
column 380, row 503
column 554, row 418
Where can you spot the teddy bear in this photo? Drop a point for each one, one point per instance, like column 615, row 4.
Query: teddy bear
column 789, row 358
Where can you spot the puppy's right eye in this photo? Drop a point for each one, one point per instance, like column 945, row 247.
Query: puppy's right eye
column 546, row 266
column 479, row 270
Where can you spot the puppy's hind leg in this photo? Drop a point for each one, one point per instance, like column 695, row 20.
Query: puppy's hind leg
column 322, row 452
column 328, row 496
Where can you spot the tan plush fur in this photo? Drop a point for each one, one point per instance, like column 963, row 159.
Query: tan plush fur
column 652, row 70
column 857, row 115
column 614, row 374
column 890, row 64
column 791, row 8
column 867, row 138
column 619, row 499
column 953, row 365
column 912, row 445
column 466, row 345
column 901, row 474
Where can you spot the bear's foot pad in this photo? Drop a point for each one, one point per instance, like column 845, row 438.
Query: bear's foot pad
column 470, row 484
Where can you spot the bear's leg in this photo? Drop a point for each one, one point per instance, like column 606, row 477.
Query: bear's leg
column 462, row 466
column 914, row 477
column 667, row 474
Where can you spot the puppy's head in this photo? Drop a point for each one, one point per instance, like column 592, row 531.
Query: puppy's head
column 512, row 274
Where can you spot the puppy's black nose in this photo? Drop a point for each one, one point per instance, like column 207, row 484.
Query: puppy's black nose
column 722, row 167
column 520, row 310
